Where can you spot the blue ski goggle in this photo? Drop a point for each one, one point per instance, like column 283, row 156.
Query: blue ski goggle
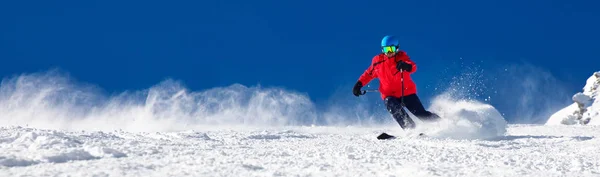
column 389, row 49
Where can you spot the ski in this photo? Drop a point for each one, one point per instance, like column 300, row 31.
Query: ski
column 385, row 136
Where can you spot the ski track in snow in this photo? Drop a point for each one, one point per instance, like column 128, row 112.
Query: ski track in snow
column 526, row 150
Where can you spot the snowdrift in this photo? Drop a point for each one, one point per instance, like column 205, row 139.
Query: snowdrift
column 53, row 100
column 463, row 119
column 586, row 108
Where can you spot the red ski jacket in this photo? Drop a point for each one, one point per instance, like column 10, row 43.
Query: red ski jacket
column 384, row 69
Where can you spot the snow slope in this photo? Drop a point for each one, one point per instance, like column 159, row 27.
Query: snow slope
column 585, row 109
column 51, row 126
column 526, row 150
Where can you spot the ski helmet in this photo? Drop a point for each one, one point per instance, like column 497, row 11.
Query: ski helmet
column 389, row 41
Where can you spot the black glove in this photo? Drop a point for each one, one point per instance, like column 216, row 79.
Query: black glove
column 401, row 65
column 356, row 89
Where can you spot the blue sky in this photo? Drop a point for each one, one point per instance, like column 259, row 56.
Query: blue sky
column 314, row 47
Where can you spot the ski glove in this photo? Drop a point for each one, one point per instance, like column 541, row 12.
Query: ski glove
column 356, row 89
column 401, row 65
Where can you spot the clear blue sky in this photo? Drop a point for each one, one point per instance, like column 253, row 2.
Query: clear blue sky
column 314, row 47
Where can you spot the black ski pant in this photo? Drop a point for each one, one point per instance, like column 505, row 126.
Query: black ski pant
column 413, row 104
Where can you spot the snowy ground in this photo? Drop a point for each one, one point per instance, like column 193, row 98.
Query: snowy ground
column 526, row 150
column 164, row 131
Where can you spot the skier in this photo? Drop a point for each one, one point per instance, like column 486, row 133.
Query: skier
column 391, row 67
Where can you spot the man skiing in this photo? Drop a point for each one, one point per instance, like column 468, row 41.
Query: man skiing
column 393, row 68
